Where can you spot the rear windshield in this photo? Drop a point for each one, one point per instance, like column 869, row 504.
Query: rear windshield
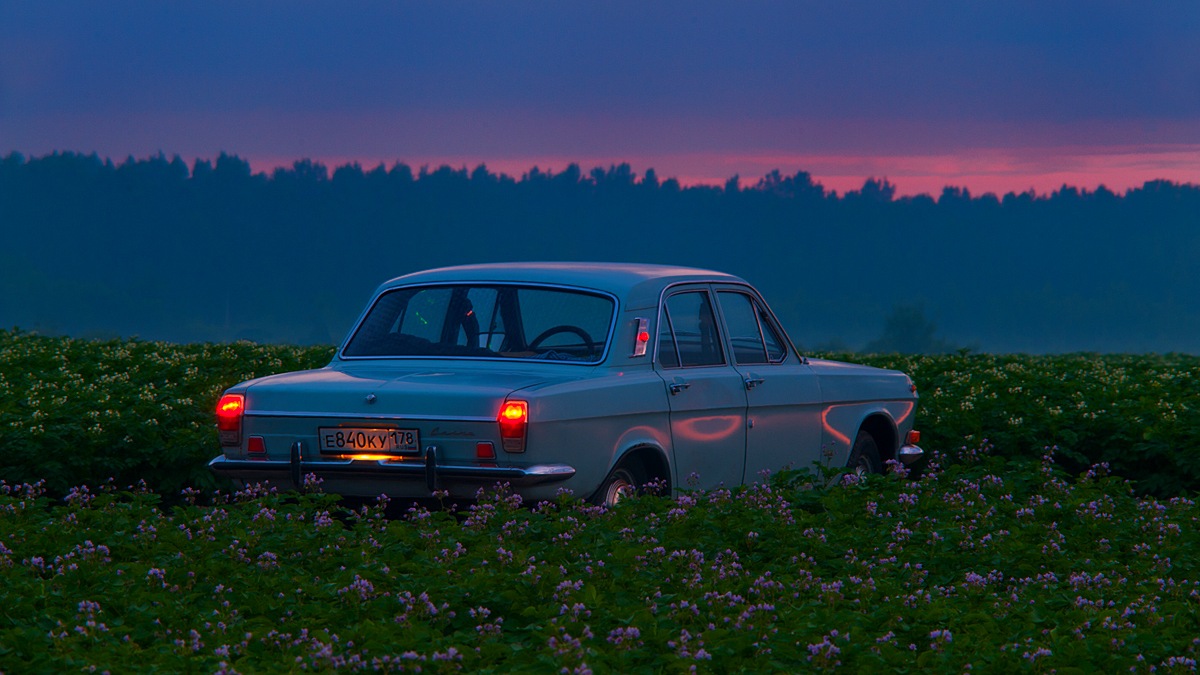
column 488, row 321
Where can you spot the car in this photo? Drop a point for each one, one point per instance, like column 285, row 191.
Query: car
column 599, row 378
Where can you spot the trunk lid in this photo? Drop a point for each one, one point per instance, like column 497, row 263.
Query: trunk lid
column 410, row 392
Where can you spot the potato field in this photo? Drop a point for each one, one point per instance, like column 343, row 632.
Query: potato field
column 1053, row 531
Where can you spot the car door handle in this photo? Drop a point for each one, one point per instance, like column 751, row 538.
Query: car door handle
column 677, row 387
column 752, row 382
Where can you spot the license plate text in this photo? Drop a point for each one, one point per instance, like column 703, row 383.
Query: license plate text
column 353, row 439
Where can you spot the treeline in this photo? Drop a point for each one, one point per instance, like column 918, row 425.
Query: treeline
column 213, row 251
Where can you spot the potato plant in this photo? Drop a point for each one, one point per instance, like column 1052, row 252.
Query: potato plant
column 982, row 565
column 1140, row 414
column 119, row 552
column 76, row 412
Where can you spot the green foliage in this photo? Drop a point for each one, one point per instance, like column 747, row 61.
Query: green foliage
column 990, row 560
column 1139, row 414
column 75, row 412
column 982, row 564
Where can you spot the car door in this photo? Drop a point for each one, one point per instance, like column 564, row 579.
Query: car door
column 783, row 395
column 707, row 396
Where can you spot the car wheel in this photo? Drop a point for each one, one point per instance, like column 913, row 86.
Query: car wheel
column 621, row 483
column 864, row 456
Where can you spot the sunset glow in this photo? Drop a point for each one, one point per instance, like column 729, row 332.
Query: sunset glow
column 1041, row 170
column 992, row 97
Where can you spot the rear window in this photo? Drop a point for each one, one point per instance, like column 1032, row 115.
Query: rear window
column 486, row 321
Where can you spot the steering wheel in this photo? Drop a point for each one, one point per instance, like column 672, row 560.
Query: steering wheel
column 564, row 328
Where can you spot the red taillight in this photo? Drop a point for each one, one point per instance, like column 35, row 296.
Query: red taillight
column 914, row 437
column 229, row 418
column 513, row 418
column 485, row 450
column 255, row 445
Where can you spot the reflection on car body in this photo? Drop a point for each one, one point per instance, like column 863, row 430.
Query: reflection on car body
column 596, row 377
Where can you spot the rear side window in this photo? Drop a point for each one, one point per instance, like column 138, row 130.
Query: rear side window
column 753, row 337
column 688, row 334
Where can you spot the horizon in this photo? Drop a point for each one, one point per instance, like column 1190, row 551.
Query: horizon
column 996, row 183
column 992, row 97
column 993, row 173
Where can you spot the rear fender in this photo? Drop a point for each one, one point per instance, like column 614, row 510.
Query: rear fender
column 650, row 454
column 885, row 420
column 649, row 462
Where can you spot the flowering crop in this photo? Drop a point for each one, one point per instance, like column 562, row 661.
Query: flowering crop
column 981, row 565
column 992, row 561
column 1140, row 414
column 74, row 410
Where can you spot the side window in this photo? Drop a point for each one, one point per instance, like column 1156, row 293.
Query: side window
column 692, row 332
column 754, row 338
column 772, row 336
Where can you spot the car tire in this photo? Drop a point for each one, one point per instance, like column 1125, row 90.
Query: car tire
column 622, row 482
column 864, row 456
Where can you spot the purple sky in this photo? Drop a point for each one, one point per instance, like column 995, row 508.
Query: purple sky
column 994, row 96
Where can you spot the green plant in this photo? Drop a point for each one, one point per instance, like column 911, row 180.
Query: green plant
column 984, row 564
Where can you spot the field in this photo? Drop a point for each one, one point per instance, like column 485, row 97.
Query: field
column 1005, row 556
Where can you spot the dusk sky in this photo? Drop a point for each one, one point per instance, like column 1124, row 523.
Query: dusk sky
column 993, row 96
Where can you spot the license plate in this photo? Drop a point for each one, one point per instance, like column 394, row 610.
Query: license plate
column 342, row 440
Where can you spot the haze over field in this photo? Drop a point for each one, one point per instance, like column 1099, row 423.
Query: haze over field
column 1000, row 97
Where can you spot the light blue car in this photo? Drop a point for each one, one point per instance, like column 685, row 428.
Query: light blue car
column 595, row 377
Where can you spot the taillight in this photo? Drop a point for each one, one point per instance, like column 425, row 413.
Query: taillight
column 229, row 418
column 514, row 419
column 914, row 437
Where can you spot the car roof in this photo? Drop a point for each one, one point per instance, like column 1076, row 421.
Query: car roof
column 639, row 284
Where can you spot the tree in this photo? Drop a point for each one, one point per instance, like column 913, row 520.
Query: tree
column 908, row 331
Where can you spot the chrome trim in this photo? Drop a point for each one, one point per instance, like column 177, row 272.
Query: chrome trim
column 296, row 464
column 714, row 287
column 705, row 287
column 367, row 416
column 759, row 304
column 608, row 341
column 431, row 477
column 642, row 326
column 410, row 470
column 909, row 454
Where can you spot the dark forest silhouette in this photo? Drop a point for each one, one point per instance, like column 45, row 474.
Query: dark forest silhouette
column 155, row 248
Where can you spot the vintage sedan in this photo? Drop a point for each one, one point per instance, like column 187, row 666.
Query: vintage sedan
column 594, row 377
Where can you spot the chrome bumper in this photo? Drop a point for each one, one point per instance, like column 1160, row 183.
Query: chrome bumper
column 424, row 468
column 910, row 454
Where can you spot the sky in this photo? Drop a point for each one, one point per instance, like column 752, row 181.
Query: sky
column 992, row 96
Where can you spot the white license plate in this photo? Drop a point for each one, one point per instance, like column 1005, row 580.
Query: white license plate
column 341, row 440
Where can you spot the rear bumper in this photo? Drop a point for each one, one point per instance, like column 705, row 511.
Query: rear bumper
column 910, row 454
column 410, row 472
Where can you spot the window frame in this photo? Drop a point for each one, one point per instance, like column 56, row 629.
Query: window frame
column 761, row 314
column 721, row 338
column 516, row 285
